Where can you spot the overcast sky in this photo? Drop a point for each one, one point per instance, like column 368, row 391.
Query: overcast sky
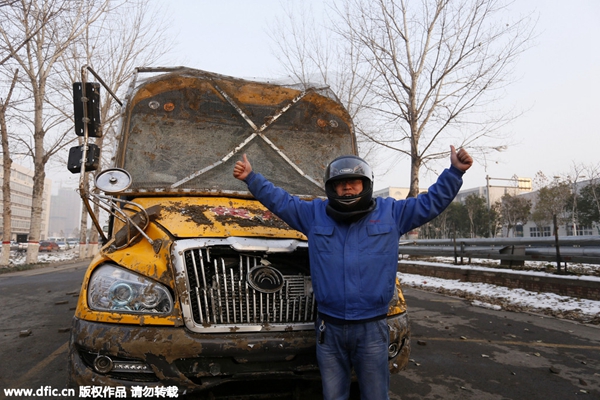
column 557, row 81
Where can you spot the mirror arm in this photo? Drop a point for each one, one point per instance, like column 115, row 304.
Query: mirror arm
column 86, row 202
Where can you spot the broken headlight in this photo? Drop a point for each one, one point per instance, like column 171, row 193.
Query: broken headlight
column 112, row 288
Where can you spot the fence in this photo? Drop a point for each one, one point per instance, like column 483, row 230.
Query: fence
column 512, row 251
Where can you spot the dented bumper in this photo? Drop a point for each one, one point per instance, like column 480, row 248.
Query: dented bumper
column 128, row 355
column 169, row 356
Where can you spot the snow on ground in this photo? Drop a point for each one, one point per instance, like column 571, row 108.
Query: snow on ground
column 19, row 257
column 523, row 271
column 500, row 297
column 540, row 266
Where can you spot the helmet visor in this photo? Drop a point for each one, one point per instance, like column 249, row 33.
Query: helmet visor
column 349, row 167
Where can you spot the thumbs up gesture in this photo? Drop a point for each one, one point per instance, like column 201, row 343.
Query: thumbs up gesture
column 242, row 168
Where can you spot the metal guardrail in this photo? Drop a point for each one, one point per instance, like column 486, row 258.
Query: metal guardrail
column 573, row 249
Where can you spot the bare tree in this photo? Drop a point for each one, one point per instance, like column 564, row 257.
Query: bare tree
column 6, row 167
column 38, row 59
column 435, row 70
column 573, row 179
column 476, row 212
column 113, row 46
column 514, row 210
column 15, row 43
column 312, row 57
column 439, row 65
column 588, row 200
column 565, row 194
column 552, row 202
column 593, row 194
column 495, row 218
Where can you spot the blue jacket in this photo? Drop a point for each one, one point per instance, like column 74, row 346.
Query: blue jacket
column 353, row 266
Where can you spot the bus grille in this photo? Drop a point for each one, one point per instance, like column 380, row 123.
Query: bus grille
column 220, row 292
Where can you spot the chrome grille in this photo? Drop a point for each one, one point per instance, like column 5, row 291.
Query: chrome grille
column 220, row 293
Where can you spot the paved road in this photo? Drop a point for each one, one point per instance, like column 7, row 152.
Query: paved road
column 468, row 352
column 459, row 351
column 41, row 301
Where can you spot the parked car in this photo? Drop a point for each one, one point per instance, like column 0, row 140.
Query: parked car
column 62, row 245
column 48, row 246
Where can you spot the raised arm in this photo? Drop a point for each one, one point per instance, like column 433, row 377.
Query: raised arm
column 295, row 212
column 416, row 211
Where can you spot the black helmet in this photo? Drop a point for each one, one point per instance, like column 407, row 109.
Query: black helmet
column 348, row 167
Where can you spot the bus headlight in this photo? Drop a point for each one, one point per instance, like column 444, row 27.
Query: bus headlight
column 112, row 288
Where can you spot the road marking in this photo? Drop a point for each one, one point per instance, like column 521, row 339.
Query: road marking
column 41, row 365
column 514, row 343
column 447, row 301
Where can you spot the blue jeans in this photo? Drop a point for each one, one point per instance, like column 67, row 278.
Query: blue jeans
column 362, row 346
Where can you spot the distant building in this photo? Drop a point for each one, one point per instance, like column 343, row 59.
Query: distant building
column 21, row 192
column 397, row 193
column 516, row 187
column 493, row 192
column 569, row 228
column 65, row 213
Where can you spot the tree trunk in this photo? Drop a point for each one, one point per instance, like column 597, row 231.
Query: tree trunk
column 415, row 166
column 6, row 198
column 35, row 229
column 556, row 243
column 39, row 176
column 6, row 168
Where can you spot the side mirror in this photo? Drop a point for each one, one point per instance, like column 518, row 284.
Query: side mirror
column 113, row 180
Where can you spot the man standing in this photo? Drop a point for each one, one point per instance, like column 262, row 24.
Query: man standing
column 353, row 249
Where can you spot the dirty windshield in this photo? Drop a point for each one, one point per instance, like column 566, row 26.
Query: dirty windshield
column 185, row 130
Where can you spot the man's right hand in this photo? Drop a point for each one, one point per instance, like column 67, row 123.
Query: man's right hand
column 460, row 159
column 242, row 169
